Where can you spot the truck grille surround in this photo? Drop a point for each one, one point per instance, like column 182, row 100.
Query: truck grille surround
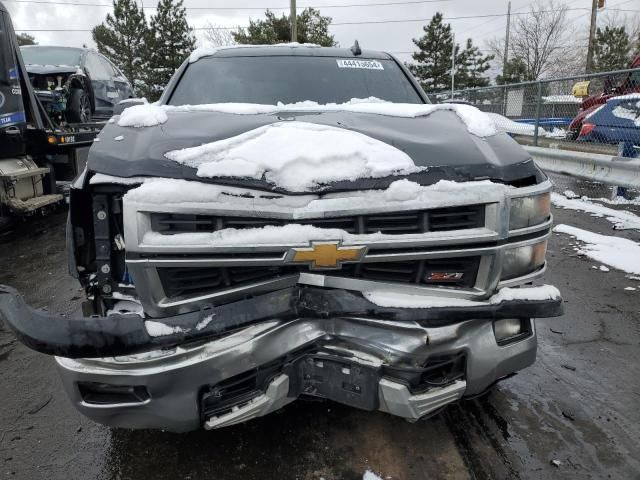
column 396, row 223
column 454, row 248
column 185, row 281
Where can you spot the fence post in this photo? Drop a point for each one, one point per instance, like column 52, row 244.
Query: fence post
column 625, row 149
column 504, row 102
column 537, row 124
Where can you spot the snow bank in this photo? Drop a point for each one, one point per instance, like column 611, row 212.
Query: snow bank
column 622, row 220
column 147, row 115
column 308, row 155
column 202, row 52
column 478, row 123
column 384, row 298
column 616, row 252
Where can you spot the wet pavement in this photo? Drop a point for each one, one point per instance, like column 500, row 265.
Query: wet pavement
column 577, row 406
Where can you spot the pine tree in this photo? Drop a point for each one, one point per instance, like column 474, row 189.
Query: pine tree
column 170, row 41
column 514, row 72
column 26, row 39
column 471, row 66
column 612, row 49
column 312, row 28
column 433, row 59
column 121, row 38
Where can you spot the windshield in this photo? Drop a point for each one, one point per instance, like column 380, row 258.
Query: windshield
column 290, row 79
column 57, row 56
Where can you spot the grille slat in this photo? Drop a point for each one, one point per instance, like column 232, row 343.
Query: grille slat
column 395, row 223
column 192, row 281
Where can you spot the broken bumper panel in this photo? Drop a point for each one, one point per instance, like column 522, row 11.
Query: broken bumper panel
column 257, row 355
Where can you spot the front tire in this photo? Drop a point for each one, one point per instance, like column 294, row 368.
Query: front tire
column 79, row 107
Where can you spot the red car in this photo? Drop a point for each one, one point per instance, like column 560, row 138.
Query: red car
column 630, row 84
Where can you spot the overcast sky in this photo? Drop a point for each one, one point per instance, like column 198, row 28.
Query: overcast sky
column 393, row 37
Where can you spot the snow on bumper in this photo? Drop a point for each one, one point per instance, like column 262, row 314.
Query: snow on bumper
column 295, row 341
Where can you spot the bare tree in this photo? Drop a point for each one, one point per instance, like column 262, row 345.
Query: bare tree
column 217, row 36
column 544, row 40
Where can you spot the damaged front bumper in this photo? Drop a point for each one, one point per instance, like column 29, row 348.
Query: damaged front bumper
column 227, row 364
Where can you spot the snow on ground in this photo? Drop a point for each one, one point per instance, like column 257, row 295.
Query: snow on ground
column 308, row 155
column 157, row 329
column 369, row 475
column 617, row 200
column 619, row 253
column 622, row 220
column 477, row 122
column 202, row 52
column 384, row 298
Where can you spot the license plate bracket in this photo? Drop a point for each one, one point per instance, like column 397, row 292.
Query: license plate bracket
column 336, row 379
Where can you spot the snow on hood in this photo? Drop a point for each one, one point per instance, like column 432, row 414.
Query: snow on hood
column 477, row 122
column 202, row 52
column 302, row 156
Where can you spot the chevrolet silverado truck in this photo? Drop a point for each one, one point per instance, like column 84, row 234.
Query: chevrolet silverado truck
column 296, row 220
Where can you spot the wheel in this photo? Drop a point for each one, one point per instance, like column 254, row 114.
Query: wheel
column 79, row 106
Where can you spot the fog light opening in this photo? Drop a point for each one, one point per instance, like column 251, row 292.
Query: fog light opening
column 508, row 330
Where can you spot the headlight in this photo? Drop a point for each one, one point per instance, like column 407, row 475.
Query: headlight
column 520, row 261
column 528, row 211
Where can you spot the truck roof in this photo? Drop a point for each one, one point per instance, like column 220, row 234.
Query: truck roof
column 303, row 50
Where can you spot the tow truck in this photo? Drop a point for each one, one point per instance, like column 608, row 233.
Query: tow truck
column 38, row 155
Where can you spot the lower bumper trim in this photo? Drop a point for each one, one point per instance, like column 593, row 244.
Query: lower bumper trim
column 394, row 398
column 273, row 399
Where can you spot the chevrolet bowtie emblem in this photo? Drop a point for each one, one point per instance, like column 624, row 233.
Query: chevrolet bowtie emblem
column 326, row 255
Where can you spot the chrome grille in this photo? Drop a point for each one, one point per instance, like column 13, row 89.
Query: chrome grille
column 180, row 282
column 396, row 223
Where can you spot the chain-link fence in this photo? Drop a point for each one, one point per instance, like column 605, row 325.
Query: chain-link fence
column 597, row 113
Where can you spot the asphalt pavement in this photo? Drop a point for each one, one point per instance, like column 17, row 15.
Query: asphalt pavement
column 574, row 414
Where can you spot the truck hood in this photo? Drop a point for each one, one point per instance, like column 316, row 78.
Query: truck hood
column 439, row 141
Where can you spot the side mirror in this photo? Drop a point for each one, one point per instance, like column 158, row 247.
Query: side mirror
column 129, row 102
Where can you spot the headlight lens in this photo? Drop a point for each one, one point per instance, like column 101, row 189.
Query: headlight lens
column 520, row 261
column 528, row 211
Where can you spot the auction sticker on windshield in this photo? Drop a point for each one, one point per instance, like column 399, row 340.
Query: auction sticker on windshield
column 366, row 64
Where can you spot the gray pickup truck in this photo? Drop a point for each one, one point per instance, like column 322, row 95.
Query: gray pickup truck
column 296, row 220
